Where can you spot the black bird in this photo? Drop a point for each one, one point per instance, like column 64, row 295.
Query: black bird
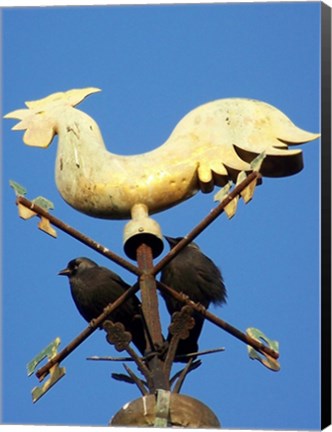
column 94, row 287
column 194, row 274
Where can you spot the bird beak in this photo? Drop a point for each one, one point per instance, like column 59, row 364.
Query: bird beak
column 64, row 272
column 171, row 241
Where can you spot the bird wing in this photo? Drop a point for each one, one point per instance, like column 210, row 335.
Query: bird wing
column 112, row 286
column 97, row 287
column 216, row 292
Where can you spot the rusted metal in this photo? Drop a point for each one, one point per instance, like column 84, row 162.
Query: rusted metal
column 219, row 322
column 120, row 338
column 200, row 353
column 149, row 293
column 151, row 314
column 92, row 327
column 140, row 384
column 129, row 359
column 117, row 335
column 182, row 376
column 78, row 235
column 182, row 323
column 154, row 367
column 177, row 377
column 252, row 177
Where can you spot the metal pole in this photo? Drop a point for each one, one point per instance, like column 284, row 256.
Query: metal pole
column 151, row 314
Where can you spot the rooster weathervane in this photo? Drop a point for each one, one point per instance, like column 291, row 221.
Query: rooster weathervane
column 209, row 147
column 219, row 143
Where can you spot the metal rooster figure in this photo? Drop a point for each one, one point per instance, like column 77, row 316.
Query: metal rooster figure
column 216, row 144
column 209, row 146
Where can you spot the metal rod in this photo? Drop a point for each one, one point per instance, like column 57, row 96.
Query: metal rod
column 78, row 235
column 151, row 314
column 182, row 376
column 136, row 380
column 219, row 322
column 200, row 353
column 146, row 271
column 253, row 176
column 149, row 294
column 110, row 358
column 93, row 325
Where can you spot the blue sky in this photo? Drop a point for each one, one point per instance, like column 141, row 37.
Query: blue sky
column 154, row 64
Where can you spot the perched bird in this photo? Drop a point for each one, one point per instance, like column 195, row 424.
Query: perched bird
column 94, row 287
column 194, row 274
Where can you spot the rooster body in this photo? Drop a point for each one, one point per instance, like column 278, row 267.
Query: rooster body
column 208, row 147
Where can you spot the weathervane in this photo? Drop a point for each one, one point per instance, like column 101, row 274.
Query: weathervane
column 210, row 146
column 222, row 143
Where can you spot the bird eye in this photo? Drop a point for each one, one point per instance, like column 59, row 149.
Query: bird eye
column 73, row 266
column 77, row 265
